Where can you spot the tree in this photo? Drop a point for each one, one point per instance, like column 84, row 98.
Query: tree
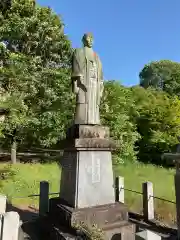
column 163, row 75
column 116, row 109
column 158, row 121
column 35, row 74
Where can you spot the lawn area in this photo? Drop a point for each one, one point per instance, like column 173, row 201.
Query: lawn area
column 20, row 180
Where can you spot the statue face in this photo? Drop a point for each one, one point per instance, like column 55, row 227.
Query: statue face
column 88, row 41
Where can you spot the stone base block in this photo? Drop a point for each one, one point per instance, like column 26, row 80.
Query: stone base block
column 122, row 231
column 111, row 218
column 88, row 131
column 102, row 215
column 87, row 178
column 88, row 137
column 89, row 144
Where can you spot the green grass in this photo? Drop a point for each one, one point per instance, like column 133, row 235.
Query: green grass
column 163, row 185
column 21, row 180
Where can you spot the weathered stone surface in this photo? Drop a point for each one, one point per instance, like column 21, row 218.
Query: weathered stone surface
column 95, row 143
column 1, row 217
column 87, row 82
column 121, row 231
column 69, row 173
column 3, row 200
column 89, row 177
column 111, row 218
column 89, row 144
column 11, row 226
column 102, row 215
column 88, row 131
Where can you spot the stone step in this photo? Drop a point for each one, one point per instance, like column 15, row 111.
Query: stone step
column 101, row 215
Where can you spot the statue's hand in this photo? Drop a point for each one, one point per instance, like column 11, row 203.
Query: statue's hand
column 81, row 84
column 75, row 88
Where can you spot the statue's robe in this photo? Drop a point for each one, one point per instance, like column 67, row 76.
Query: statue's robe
column 87, row 79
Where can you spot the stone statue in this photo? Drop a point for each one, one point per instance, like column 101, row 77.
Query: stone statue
column 87, row 81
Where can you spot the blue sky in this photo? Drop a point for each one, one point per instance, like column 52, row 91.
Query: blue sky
column 128, row 33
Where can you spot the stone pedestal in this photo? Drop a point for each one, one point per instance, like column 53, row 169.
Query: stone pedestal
column 111, row 218
column 87, row 191
column 87, row 175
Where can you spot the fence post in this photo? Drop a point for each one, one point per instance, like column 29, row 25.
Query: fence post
column 119, row 189
column 3, row 200
column 148, row 201
column 44, row 198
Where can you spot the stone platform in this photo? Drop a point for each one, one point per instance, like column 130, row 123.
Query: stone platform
column 111, row 218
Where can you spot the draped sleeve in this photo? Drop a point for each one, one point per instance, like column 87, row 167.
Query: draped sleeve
column 77, row 70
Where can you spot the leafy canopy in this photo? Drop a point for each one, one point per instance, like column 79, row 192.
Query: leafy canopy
column 116, row 109
column 35, row 70
column 163, row 75
column 158, row 122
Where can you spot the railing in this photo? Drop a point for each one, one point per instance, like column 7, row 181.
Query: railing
column 147, row 194
column 148, row 197
column 43, row 196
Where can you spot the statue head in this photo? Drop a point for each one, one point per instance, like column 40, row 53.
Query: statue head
column 87, row 40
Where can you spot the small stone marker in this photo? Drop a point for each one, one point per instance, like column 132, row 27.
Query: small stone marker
column 148, row 201
column 10, row 226
column 147, row 235
column 3, row 200
column 1, row 222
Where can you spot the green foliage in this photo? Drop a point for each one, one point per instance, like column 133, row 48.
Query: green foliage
column 35, row 74
column 164, row 75
column 158, row 122
column 116, row 109
column 93, row 232
column 35, row 60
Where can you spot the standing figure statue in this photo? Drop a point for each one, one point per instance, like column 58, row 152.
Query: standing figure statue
column 87, row 81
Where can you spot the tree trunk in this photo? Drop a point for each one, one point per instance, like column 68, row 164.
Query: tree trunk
column 13, row 152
